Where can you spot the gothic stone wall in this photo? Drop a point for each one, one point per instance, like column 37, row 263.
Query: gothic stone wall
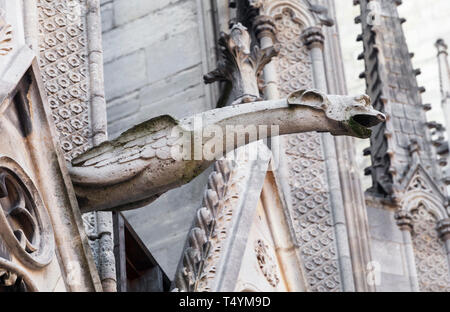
column 387, row 247
column 154, row 65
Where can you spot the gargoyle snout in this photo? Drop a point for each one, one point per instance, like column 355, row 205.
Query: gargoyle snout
column 369, row 120
column 381, row 117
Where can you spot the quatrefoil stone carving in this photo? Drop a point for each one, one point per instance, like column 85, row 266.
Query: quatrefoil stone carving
column 24, row 223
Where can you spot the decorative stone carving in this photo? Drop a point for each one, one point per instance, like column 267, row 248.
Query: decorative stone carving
column 5, row 34
column 209, row 230
column 293, row 63
column 72, row 71
column 14, row 279
column 64, row 66
column 418, row 184
column 231, row 198
column 24, row 222
column 318, row 14
column 121, row 174
column 239, row 64
column 404, row 220
column 310, row 211
column 429, row 251
column 443, row 228
column 264, row 26
column 266, row 263
column 313, row 37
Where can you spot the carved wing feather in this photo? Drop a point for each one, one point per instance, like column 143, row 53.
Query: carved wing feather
column 148, row 140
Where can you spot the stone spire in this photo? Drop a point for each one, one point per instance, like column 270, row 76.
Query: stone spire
column 444, row 79
column 391, row 84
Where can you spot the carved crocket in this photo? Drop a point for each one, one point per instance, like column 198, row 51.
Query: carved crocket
column 163, row 153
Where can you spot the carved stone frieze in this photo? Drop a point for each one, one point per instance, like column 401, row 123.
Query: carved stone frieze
column 310, row 210
column 24, row 223
column 64, row 66
column 266, row 262
column 429, row 250
column 206, row 238
column 72, row 71
column 293, row 63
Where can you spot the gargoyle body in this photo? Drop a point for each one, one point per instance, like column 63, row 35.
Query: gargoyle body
column 162, row 153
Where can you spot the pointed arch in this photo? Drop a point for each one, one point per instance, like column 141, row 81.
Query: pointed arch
column 299, row 11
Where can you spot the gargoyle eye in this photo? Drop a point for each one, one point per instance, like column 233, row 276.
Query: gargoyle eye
column 363, row 99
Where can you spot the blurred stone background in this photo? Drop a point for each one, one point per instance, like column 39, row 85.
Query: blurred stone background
column 426, row 21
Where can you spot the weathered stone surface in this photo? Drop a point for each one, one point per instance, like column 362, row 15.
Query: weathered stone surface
column 138, row 34
column 382, row 225
column 393, row 283
column 123, row 107
column 125, row 74
column 107, row 15
column 165, row 59
column 179, row 82
column 126, row 11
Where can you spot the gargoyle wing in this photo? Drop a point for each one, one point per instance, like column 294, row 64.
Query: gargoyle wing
column 127, row 155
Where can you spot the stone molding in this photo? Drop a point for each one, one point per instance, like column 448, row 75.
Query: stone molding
column 443, row 227
column 313, row 37
column 211, row 257
column 404, row 220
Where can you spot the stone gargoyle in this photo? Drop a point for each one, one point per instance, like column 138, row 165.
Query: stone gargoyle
column 163, row 153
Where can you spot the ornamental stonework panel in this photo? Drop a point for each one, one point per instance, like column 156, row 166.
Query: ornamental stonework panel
column 65, row 71
column 429, row 251
column 294, row 63
column 310, row 210
column 266, row 262
column 71, row 71
column 24, row 222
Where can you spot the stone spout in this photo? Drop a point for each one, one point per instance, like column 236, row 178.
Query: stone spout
column 162, row 153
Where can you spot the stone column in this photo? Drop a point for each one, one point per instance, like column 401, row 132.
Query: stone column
column 444, row 79
column 313, row 39
column 404, row 221
column 443, row 228
column 265, row 32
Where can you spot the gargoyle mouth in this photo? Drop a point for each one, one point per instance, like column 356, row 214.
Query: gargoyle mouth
column 360, row 123
column 369, row 120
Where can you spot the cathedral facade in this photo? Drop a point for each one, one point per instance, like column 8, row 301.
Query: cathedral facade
column 93, row 198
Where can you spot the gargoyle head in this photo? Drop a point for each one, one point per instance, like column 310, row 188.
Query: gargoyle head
column 354, row 113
